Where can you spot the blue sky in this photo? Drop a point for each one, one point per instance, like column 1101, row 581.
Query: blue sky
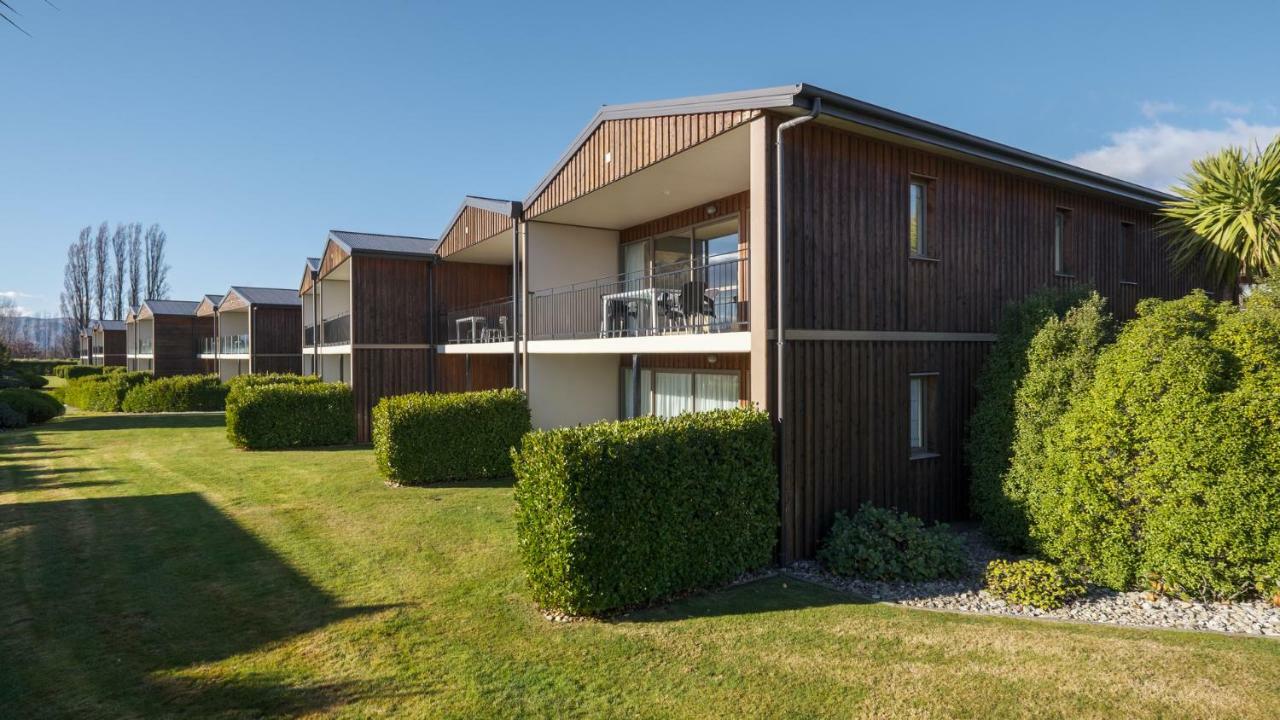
column 249, row 128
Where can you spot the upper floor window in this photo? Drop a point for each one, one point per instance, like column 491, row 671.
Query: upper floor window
column 918, row 220
column 1126, row 253
column 1061, row 241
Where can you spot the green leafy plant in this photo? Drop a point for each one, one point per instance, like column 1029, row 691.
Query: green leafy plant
column 991, row 431
column 884, row 544
column 178, row 393
column 10, row 418
column 290, row 414
column 1032, row 582
column 104, row 392
column 33, row 405
column 617, row 514
column 73, row 372
column 429, row 437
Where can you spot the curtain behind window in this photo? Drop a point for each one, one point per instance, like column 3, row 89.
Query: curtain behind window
column 716, row 392
column 673, row 393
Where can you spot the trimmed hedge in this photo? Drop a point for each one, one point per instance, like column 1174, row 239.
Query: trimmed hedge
column 290, row 414
column 39, row 366
column 103, row 392
column 33, row 405
column 430, row 437
column 991, row 432
column 884, row 544
column 616, row 514
column 10, row 418
column 179, row 393
column 1163, row 474
column 72, row 372
column 243, row 381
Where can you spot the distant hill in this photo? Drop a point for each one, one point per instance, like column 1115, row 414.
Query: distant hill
column 44, row 332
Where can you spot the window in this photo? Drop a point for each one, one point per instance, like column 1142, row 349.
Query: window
column 922, row 392
column 1126, row 253
column 1061, row 236
column 667, row 393
column 918, row 219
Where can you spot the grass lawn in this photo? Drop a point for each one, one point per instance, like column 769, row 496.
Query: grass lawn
column 147, row 569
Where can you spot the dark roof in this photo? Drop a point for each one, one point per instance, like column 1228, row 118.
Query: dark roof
column 171, row 307
column 214, row 299
column 267, row 296
column 357, row 242
column 506, row 208
column 313, row 264
column 107, row 324
column 800, row 98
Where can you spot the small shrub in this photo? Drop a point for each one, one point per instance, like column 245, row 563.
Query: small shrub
column 33, row 405
column 12, row 381
column 179, row 393
column 104, row 392
column 430, row 437
column 72, row 372
column 290, row 414
column 1031, row 582
column 883, row 544
column 991, row 431
column 616, row 514
column 245, row 381
column 39, row 366
column 34, row 381
column 10, row 418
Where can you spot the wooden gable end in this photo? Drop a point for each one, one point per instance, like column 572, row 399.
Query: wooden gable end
column 334, row 256
column 233, row 301
column 620, row 147
column 473, row 226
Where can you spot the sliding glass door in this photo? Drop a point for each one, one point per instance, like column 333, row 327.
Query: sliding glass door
column 668, row 393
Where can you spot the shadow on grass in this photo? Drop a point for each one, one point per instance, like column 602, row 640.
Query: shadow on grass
column 103, row 600
column 478, row 483
column 767, row 595
column 131, row 421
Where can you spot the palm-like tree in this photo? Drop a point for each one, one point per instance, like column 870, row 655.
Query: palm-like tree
column 1225, row 222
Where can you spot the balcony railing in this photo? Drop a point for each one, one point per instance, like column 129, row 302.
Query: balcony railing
column 309, row 336
column 686, row 297
column 336, row 330
column 233, row 344
column 487, row 322
column 209, row 346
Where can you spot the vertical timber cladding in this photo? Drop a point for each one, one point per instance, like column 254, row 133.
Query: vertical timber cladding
column 277, row 339
column 488, row 372
column 175, row 344
column 846, row 435
column 379, row 373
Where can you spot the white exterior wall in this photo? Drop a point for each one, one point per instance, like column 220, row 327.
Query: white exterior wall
column 228, row 369
column 335, row 367
column 566, row 254
column 568, row 390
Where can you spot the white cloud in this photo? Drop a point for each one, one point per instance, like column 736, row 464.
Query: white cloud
column 1226, row 107
column 15, row 294
column 1158, row 155
column 1153, row 109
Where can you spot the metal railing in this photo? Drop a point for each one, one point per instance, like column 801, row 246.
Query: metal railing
column 209, row 346
column 685, row 297
column 487, row 322
column 309, row 336
column 336, row 330
column 233, row 344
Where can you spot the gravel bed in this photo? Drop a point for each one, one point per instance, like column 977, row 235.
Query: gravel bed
column 1138, row 609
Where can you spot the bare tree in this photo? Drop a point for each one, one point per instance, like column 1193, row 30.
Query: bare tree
column 135, row 264
column 76, row 291
column 119, row 247
column 101, row 269
column 10, row 325
column 156, row 267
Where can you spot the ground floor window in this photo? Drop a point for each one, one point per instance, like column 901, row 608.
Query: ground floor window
column 922, row 413
column 667, row 393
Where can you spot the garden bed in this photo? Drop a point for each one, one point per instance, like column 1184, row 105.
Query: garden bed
column 1099, row 605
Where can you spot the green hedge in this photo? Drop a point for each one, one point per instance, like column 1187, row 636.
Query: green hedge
column 10, row 418
column 179, row 393
column 1163, row 473
column 989, row 446
column 290, row 414
column 104, row 392
column 429, row 437
column 240, row 382
column 40, row 366
column 616, row 514
column 72, row 372
column 33, row 405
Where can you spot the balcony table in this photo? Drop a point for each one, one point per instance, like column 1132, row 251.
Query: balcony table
column 645, row 295
column 475, row 320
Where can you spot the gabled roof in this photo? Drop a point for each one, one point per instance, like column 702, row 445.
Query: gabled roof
column 107, row 325
column 214, row 299
column 356, row 243
column 800, row 98
column 505, row 208
column 313, row 264
column 266, row 296
column 133, row 313
column 170, row 307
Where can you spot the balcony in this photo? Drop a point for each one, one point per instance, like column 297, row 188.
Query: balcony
column 701, row 296
column 233, row 344
column 309, row 336
column 144, row 347
column 209, row 346
column 336, row 330
column 488, row 322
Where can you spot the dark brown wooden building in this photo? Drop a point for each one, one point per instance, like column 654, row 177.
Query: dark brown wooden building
column 107, row 343
column 167, row 337
column 647, row 263
column 257, row 330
